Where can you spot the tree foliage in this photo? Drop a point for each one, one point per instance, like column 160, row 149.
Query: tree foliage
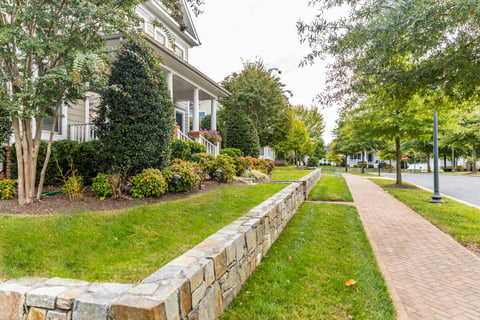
column 312, row 119
column 136, row 117
column 241, row 133
column 259, row 94
column 48, row 49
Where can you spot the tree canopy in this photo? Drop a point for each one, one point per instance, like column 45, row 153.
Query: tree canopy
column 259, row 94
column 48, row 50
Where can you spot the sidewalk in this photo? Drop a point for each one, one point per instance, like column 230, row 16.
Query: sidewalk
column 429, row 275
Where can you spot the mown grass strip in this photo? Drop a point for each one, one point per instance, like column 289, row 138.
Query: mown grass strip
column 457, row 219
column 331, row 189
column 304, row 274
column 121, row 246
column 288, row 174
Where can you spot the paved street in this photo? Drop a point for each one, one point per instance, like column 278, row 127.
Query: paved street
column 465, row 188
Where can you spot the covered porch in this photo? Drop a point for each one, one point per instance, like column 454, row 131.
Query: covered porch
column 188, row 87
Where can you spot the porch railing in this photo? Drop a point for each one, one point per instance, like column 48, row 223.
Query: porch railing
column 82, row 132
column 183, row 136
column 211, row 148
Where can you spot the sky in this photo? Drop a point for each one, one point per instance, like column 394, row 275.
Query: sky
column 235, row 31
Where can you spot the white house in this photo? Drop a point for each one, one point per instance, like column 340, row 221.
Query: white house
column 189, row 86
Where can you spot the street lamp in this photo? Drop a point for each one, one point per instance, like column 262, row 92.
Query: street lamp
column 453, row 159
column 436, row 197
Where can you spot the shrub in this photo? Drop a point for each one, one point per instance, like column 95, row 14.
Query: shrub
column 225, row 163
column 185, row 149
column 102, row 186
column 254, row 174
column 135, row 120
column 196, row 147
column 241, row 133
column 232, row 152
column 205, row 162
column 148, row 183
column 74, row 187
column 7, row 189
column 86, row 159
column 447, row 169
column 371, row 166
column 312, row 162
column 188, row 176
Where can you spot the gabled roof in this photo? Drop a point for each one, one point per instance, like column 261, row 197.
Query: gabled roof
column 187, row 33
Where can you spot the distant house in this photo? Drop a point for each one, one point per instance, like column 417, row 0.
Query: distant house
column 189, row 87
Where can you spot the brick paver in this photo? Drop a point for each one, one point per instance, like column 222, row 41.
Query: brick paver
column 429, row 275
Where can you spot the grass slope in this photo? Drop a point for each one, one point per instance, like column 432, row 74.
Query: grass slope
column 331, row 189
column 288, row 174
column 122, row 246
column 304, row 275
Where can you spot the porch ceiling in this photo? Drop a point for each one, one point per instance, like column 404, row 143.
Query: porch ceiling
column 183, row 90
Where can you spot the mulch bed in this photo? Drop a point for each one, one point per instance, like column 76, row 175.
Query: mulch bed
column 61, row 204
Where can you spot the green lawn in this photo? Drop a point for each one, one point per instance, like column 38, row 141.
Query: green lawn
column 457, row 219
column 304, row 274
column 288, row 174
column 121, row 246
column 331, row 189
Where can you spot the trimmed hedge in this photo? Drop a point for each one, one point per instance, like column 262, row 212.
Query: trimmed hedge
column 185, row 149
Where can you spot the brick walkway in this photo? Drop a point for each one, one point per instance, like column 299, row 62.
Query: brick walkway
column 429, row 275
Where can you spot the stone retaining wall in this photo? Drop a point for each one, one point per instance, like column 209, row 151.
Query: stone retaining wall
column 199, row 284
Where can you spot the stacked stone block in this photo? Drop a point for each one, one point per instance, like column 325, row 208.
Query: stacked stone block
column 200, row 284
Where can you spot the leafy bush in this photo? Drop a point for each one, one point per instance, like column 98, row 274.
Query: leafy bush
column 205, row 162
column 370, row 166
column 102, row 186
column 254, row 174
column 83, row 155
column 196, row 147
column 232, row 152
column 148, row 183
column 185, row 149
column 74, row 187
column 7, row 189
column 225, row 163
column 312, row 162
column 241, row 133
column 187, row 172
column 447, row 169
column 135, row 120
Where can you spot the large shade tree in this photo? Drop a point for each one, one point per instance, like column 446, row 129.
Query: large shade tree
column 48, row 49
column 260, row 94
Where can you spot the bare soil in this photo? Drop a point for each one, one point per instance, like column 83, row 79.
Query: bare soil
column 61, row 204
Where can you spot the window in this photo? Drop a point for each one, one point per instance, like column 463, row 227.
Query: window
column 160, row 37
column 179, row 51
column 47, row 124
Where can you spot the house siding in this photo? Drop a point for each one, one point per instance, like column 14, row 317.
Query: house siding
column 76, row 113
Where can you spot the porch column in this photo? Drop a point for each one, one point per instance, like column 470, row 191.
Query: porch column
column 214, row 114
column 195, row 109
column 169, row 78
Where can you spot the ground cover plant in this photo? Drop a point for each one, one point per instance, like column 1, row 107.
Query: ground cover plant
column 321, row 267
column 457, row 219
column 288, row 174
column 120, row 246
column 331, row 189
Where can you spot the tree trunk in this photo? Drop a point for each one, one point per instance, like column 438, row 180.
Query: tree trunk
column 474, row 159
column 390, row 169
column 346, row 163
column 47, row 155
column 429, row 169
column 444, row 161
column 399, row 161
column 363, row 162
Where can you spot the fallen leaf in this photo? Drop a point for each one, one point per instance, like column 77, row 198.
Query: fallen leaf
column 350, row 282
column 290, row 258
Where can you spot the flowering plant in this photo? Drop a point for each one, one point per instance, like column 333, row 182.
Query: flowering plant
column 212, row 135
